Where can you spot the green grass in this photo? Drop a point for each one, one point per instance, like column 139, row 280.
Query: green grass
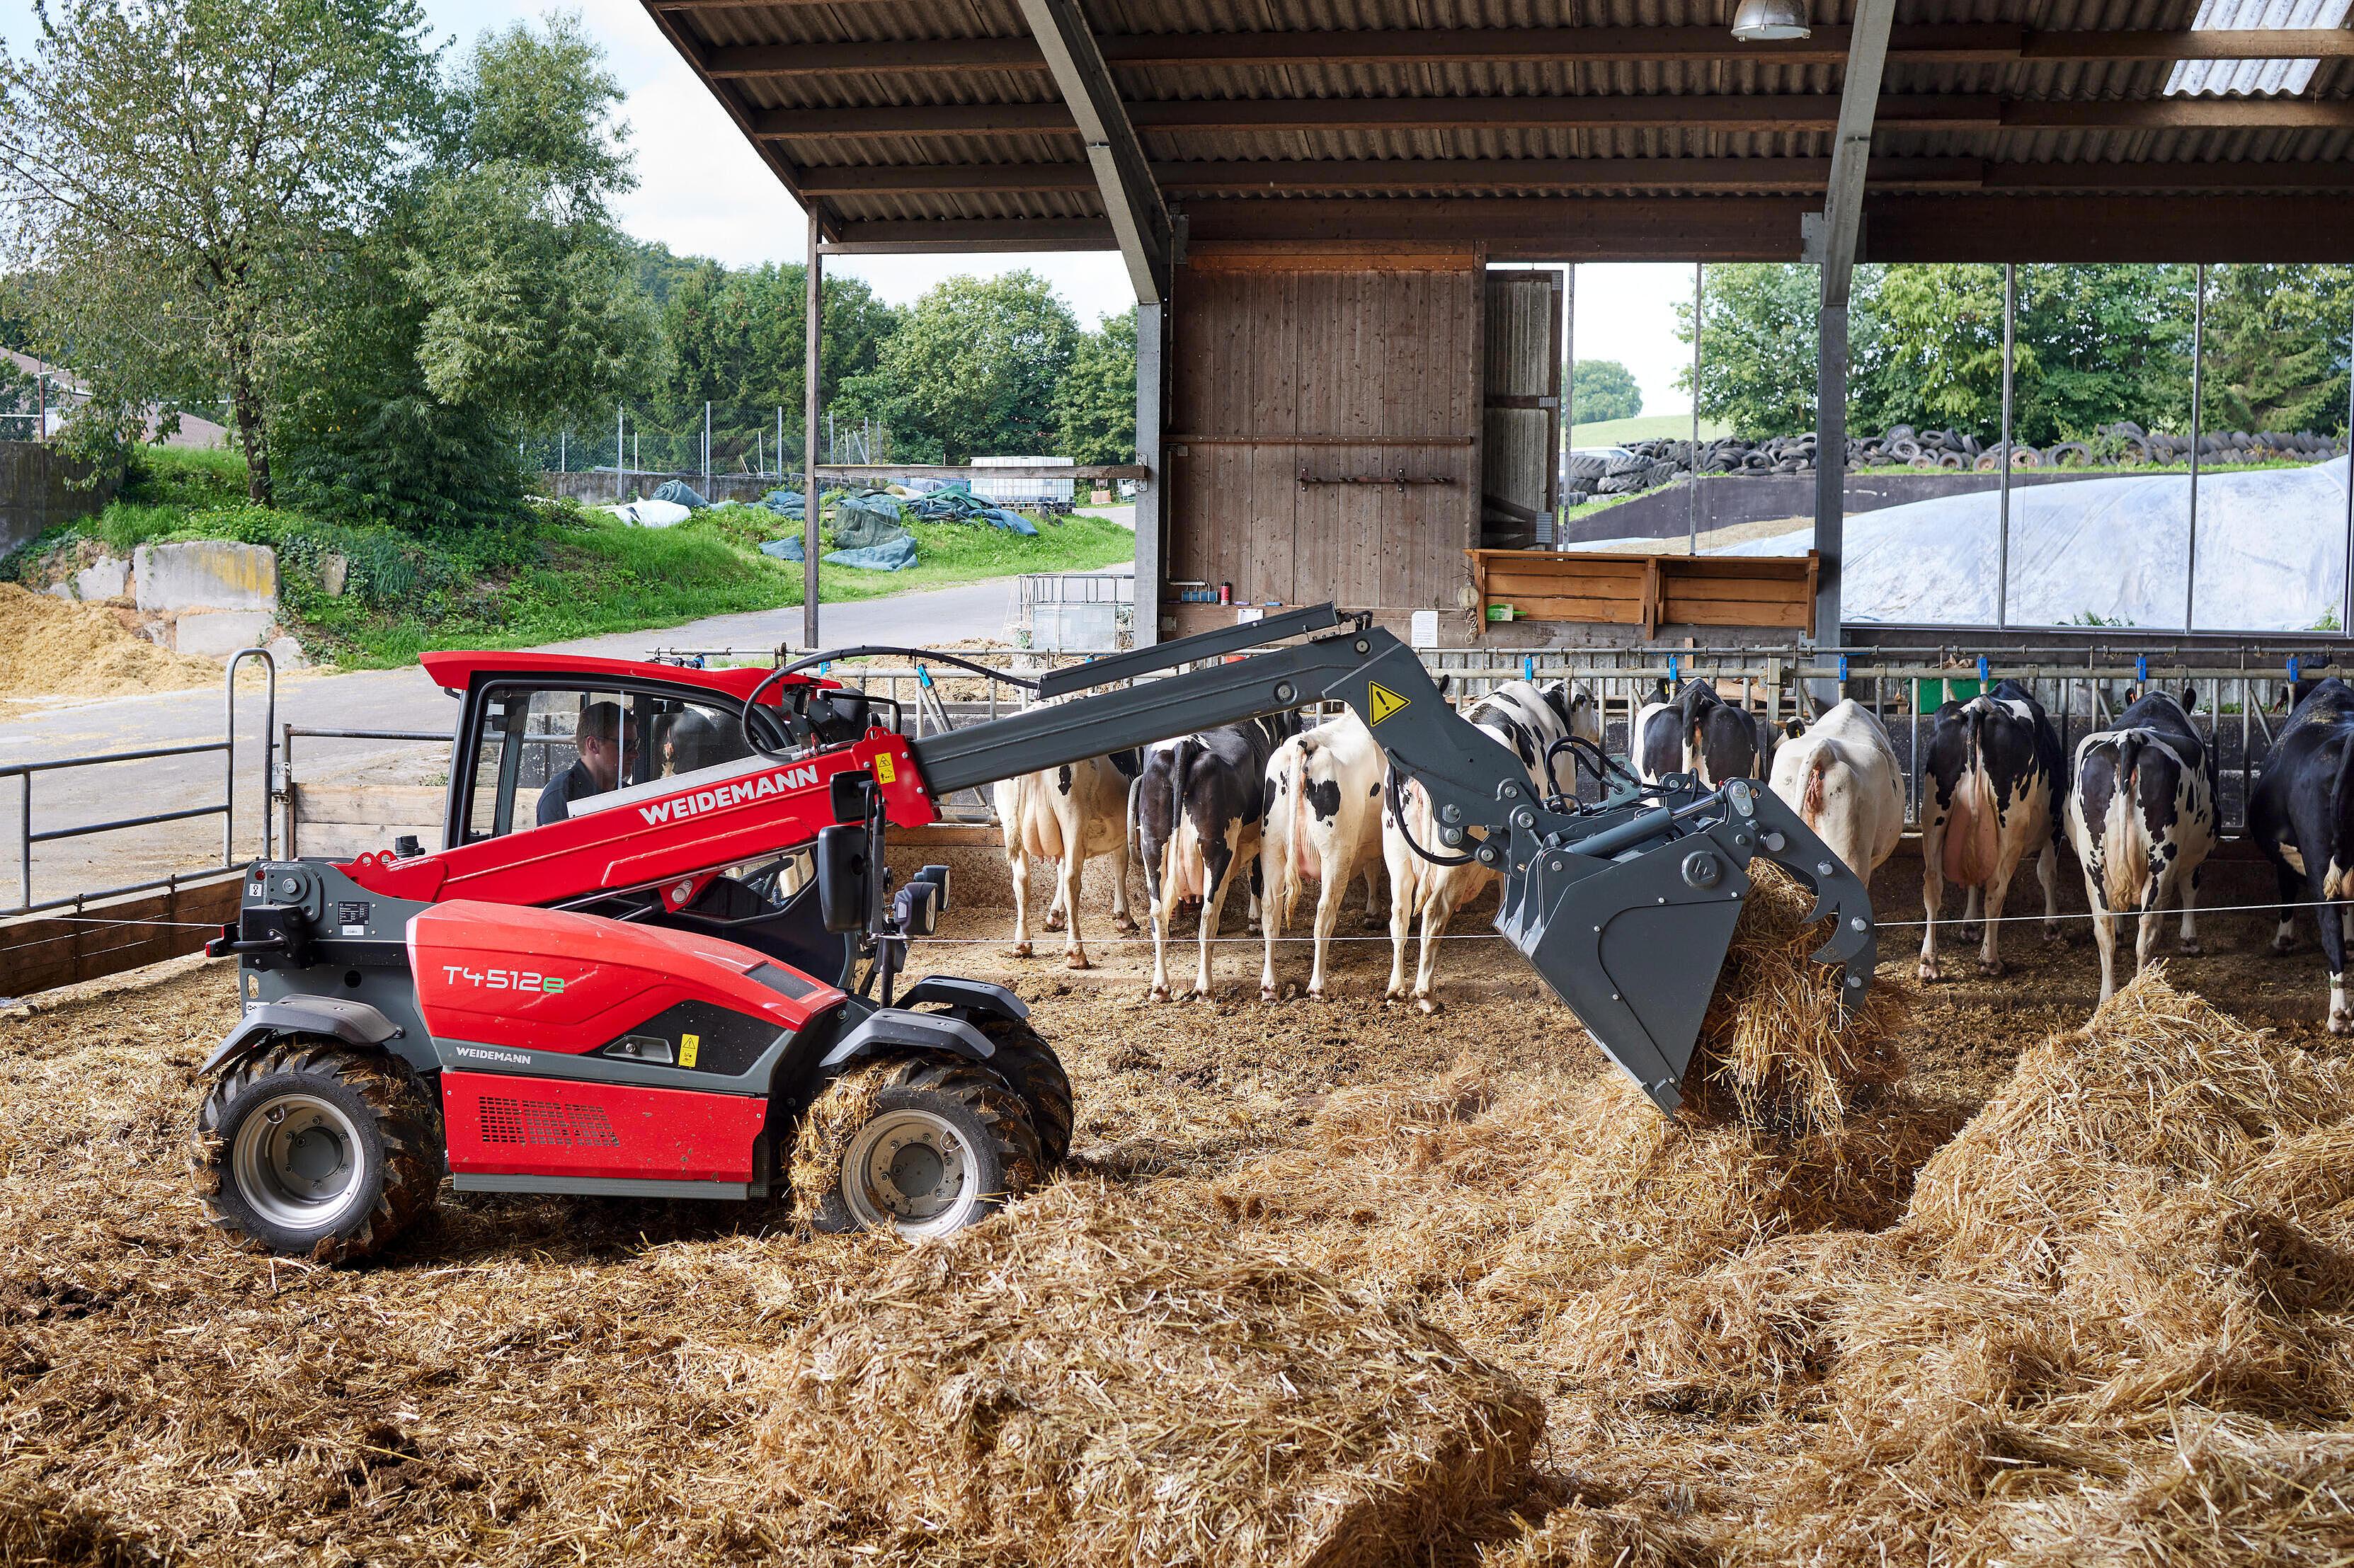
column 568, row 573
column 1644, row 428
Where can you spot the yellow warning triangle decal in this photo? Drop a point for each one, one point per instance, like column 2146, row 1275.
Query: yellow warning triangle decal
column 1382, row 700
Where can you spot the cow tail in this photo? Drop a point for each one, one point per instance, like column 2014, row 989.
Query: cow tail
column 2337, row 879
column 1180, row 760
column 1286, row 892
column 2123, row 851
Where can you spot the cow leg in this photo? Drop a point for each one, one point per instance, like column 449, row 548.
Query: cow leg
column 2291, row 889
column 1971, row 918
column 2332, row 921
column 2153, row 904
column 1401, row 892
column 1258, row 910
column 1157, row 906
column 1218, row 857
column 1990, row 960
column 1436, row 910
column 1074, row 951
column 1933, row 894
column 2105, row 931
column 1122, row 921
column 1057, row 914
column 1270, row 916
column 1332, row 893
column 1018, row 863
column 1373, row 919
column 2047, row 871
column 2189, row 942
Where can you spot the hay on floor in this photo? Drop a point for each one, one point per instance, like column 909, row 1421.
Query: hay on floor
column 1093, row 1379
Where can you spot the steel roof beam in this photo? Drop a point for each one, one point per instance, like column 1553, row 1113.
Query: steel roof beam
column 1926, row 44
column 1131, row 199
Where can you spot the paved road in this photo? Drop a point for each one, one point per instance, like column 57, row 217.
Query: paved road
column 373, row 699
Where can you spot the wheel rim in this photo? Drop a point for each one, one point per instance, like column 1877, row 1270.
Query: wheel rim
column 298, row 1160
column 910, row 1170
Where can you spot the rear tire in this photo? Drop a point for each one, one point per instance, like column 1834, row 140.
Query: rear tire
column 1029, row 1064
column 943, row 1144
column 313, row 1149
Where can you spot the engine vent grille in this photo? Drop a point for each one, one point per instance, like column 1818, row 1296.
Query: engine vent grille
column 544, row 1123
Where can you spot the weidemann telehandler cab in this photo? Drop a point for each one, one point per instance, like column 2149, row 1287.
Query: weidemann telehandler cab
column 639, row 989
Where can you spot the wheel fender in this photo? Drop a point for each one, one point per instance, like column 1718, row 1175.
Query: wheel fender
column 353, row 1022
column 891, row 1029
column 970, row 997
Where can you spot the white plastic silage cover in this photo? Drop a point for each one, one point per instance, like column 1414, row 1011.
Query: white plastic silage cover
column 2271, row 553
column 652, row 513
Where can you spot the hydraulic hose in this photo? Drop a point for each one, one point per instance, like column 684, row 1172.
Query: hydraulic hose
column 744, row 714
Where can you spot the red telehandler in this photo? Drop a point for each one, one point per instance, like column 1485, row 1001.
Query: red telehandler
column 660, row 924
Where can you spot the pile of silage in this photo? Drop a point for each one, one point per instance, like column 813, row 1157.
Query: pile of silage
column 1094, row 1378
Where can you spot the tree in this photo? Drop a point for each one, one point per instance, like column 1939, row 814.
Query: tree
column 180, row 171
column 1604, row 390
column 737, row 339
column 1925, row 349
column 975, row 367
column 1096, row 411
column 494, row 295
column 2277, row 347
column 1759, row 325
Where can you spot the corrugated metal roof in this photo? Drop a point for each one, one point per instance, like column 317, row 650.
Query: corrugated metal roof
column 880, row 109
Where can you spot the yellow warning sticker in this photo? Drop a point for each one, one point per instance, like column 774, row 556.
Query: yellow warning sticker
column 885, row 770
column 688, row 1045
column 1382, row 701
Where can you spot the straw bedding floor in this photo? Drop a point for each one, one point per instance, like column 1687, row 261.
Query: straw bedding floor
column 1329, row 1283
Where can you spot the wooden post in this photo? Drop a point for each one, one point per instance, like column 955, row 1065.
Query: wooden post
column 810, row 506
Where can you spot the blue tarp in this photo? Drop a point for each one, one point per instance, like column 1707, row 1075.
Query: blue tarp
column 783, row 502
column 898, row 554
column 877, row 504
column 785, row 549
column 681, row 494
column 958, row 505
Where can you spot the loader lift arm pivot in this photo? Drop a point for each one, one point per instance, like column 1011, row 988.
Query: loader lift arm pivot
column 1627, row 909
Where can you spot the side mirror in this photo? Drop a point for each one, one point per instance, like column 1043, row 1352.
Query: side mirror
column 843, row 866
column 849, row 794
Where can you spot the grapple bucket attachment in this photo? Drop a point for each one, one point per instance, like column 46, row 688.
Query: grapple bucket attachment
column 1630, row 923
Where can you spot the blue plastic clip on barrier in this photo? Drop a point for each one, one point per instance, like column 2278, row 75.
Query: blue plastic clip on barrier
column 2141, row 669
column 1986, row 677
column 1529, row 668
column 2292, row 669
column 1842, row 669
column 1674, row 670
column 923, row 677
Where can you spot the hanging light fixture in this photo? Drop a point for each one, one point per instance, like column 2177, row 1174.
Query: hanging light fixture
column 1763, row 21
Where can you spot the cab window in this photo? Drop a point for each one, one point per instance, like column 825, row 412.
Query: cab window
column 547, row 753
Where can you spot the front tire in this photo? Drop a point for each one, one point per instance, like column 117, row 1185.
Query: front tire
column 313, row 1149
column 917, row 1145
column 1029, row 1064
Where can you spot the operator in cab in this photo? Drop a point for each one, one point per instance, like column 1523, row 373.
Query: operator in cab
column 604, row 754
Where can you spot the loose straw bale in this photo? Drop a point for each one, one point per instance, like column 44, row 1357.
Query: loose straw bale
column 1627, row 1535
column 2227, row 1492
column 839, row 1110
column 1094, row 1379
column 1779, row 1049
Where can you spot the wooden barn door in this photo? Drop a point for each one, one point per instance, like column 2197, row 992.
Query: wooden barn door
column 1521, row 406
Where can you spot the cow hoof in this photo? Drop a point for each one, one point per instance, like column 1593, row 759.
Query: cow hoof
column 1202, row 993
column 2341, row 1023
column 1991, row 968
column 1927, row 973
column 2283, row 946
column 1375, row 922
column 1125, row 924
column 1020, row 950
column 1971, row 931
column 1158, row 993
column 2052, row 932
column 1255, row 930
column 1053, row 919
column 1267, row 994
column 2192, row 947
column 1076, row 961
column 1426, row 1004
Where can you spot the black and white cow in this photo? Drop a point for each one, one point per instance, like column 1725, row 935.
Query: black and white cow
column 1695, row 732
column 2301, row 816
column 2142, row 818
column 1196, row 810
column 1525, row 719
column 1990, row 797
column 1323, row 824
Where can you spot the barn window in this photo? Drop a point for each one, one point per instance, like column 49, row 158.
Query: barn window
column 2254, row 77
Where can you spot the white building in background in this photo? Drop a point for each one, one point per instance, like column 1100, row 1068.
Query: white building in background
column 61, row 390
column 1024, row 492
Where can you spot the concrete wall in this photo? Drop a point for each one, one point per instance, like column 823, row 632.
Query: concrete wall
column 603, row 487
column 36, row 491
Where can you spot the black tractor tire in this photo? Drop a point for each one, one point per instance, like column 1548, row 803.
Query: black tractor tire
column 949, row 1128
column 350, row 1159
column 1026, row 1062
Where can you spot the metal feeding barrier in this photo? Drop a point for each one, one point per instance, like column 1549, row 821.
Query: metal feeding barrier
column 26, row 772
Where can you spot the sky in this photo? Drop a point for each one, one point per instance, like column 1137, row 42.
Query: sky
column 703, row 192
